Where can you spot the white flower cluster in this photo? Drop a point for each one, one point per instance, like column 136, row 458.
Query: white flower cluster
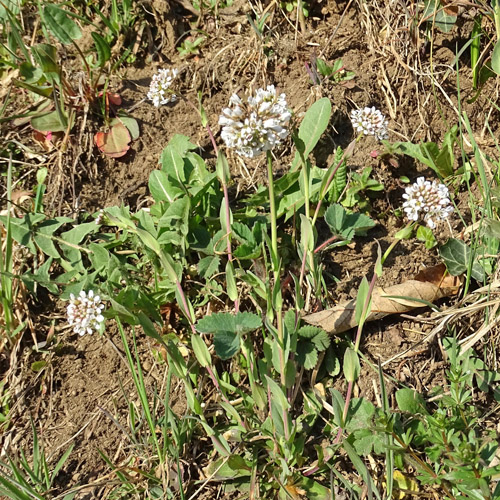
column 159, row 90
column 257, row 125
column 369, row 121
column 84, row 312
column 427, row 200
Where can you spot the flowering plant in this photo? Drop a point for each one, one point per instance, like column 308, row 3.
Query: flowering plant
column 160, row 91
column 84, row 312
column 257, row 125
column 369, row 121
column 427, row 200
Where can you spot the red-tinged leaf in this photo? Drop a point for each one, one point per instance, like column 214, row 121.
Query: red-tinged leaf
column 114, row 143
column 114, row 99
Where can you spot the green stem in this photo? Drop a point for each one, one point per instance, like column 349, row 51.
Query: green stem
column 496, row 15
column 394, row 243
column 275, row 263
column 274, row 223
column 305, row 168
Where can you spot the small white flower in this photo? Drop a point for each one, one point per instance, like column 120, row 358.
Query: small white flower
column 429, row 201
column 369, row 121
column 159, row 90
column 257, row 125
column 100, row 217
column 84, row 312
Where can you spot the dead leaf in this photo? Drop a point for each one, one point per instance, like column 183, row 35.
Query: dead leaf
column 114, row 143
column 47, row 140
column 450, row 8
column 428, row 286
column 21, row 196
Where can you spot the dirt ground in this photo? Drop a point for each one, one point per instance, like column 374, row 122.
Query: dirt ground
column 82, row 395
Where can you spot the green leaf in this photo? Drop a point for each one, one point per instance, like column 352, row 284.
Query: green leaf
column 321, row 341
column 242, row 233
column 99, row 257
column 161, row 188
column 347, row 224
column 307, row 355
column 43, row 90
column 361, row 468
column 148, row 327
column 436, row 13
column 360, row 415
column 332, row 363
column 364, row 441
column 439, row 160
column 446, row 158
column 201, row 351
column 102, row 48
column 172, row 164
column 241, row 323
column 340, row 178
column 307, row 238
column 313, row 125
column 49, row 122
column 495, row 58
column 323, row 67
column 457, row 256
column 308, row 331
column 38, row 366
column 222, row 168
column 227, row 329
column 361, row 313
column 413, row 150
column 208, row 266
column 232, row 290
column 30, row 73
column 226, row 343
column 9, row 7
column 181, row 144
column 405, row 233
column 278, row 396
column 176, row 217
column 43, row 234
column 77, row 233
column 314, row 490
column 60, row 24
column 129, row 122
column 46, row 57
column 21, row 229
column 411, row 401
column 426, row 235
column 352, row 367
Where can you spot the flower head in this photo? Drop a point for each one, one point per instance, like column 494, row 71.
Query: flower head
column 427, row 200
column 257, row 125
column 99, row 220
column 369, row 121
column 159, row 90
column 84, row 312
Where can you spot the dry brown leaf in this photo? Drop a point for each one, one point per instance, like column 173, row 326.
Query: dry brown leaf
column 19, row 196
column 429, row 285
